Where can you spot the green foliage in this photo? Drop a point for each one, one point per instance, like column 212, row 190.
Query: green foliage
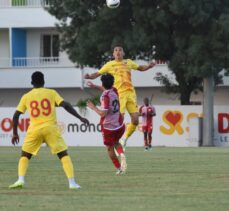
column 193, row 36
column 82, row 103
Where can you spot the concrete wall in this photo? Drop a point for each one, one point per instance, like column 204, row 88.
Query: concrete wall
column 10, row 97
column 26, row 17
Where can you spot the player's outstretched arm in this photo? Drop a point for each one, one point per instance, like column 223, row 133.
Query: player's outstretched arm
column 15, row 137
column 146, row 67
column 92, row 76
column 92, row 85
column 100, row 112
column 68, row 107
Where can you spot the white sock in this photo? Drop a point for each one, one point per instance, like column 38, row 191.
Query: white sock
column 122, row 155
column 21, row 179
column 71, row 181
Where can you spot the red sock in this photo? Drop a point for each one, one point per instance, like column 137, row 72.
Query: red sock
column 116, row 163
column 120, row 150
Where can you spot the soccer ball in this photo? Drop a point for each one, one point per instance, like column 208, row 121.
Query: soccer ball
column 113, row 3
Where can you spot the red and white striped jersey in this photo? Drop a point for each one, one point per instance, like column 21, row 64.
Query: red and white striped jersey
column 147, row 113
column 109, row 101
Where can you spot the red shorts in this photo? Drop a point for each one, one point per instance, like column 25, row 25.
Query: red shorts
column 147, row 128
column 111, row 137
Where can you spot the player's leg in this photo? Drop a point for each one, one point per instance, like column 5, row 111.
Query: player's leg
column 131, row 127
column 146, row 140
column 31, row 146
column 118, row 147
column 150, row 139
column 68, row 168
column 57, row 145
column 122, row 156
column 110, row 140
column 22, row 169
column 149, row 133
column 114, row 159
column 132, row 108
column 116, row 135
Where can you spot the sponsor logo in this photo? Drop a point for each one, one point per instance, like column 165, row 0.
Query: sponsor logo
column 74, row 127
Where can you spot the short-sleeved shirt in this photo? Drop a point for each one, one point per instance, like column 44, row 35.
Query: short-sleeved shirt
column 109, row 101
column 40, row 103
column 146, row 112
column 121, row 70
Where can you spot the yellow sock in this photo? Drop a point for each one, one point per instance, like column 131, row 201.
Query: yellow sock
column 22, row 166
column 67, row 166
column 129, row 130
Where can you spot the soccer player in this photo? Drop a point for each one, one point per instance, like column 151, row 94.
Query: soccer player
column 111, row 122
column 40, row 103
column 147, row 112
column 121, row 68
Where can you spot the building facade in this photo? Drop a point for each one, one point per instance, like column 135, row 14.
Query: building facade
column 30, row 42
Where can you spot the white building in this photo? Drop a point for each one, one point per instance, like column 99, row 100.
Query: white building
column 29, row 42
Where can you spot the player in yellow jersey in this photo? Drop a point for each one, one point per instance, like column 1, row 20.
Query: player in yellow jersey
column 121, row 68
column 41, row 104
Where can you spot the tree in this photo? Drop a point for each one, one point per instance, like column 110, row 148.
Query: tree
column 191, row 35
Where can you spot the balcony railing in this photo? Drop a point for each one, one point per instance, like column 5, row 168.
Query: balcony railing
column 24, row 3
column 31, row 62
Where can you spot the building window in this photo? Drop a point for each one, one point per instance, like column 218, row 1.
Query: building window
column 50, row 46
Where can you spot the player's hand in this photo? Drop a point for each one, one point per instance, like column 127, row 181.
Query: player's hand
column 15, row 139
column 87, row 76
column 151, row 64
column 90, row 84
column 90, row 105
column 85, row 121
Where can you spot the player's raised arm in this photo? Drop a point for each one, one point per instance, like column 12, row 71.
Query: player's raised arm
column 146, row 67
column 15, row 137
column 100, row 112
column 92, row 76
column 92, row 85
column 68, row 107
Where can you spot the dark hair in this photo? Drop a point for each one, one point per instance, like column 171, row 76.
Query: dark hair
column 38, row 78
column 107, row 81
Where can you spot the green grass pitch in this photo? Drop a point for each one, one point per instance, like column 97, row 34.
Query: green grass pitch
column 162, row 179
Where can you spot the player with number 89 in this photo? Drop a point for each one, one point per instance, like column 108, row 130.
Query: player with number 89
column 40, row 103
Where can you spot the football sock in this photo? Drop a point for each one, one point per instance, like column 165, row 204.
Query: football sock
column 129, row 130
column 116, row 163
column 71, row 181
column 145, row 141
column 22, row 168
column 150, row 140
column 67, row 166
column 119, row 150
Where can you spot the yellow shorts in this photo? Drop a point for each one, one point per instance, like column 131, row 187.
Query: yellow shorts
column 49, row 135
column 128, row 102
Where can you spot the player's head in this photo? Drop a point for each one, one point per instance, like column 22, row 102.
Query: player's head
column 146, row 101
column 107, row 81
column 37, row 79
column 118, row 53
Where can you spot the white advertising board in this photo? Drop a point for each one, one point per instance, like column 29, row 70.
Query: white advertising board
column 171, row 127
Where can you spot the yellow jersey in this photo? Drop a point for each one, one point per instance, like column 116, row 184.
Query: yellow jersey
column 40, row 103
column 121, row 70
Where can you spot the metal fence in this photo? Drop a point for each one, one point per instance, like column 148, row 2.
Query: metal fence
column 29, row 62
column 24, row 3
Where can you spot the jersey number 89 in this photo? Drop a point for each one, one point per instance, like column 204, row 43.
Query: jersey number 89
column 45, row 107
